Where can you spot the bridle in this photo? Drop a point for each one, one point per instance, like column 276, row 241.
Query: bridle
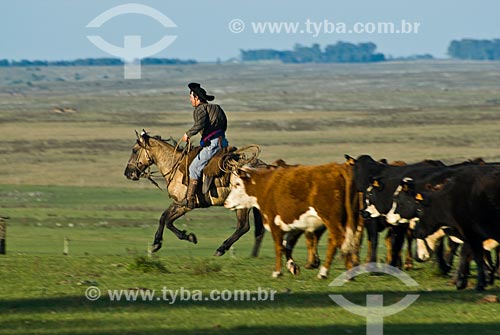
column 148, row 174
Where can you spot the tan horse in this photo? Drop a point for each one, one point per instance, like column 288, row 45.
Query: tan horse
column 172, row 165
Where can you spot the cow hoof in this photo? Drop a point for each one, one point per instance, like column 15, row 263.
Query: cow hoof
column 311, row 266
column 192, row 238
column 480, row 288
column 219, row 253
column 323, row 273
column 445, row 269
column 461, row 283
column 276, row 274
column 293, row 267
column 408, row 266
column 156, row 247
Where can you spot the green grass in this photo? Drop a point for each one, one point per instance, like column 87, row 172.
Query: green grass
column 43, row 291
column 46, row 295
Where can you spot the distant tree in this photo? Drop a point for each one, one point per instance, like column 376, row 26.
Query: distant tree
column 341, row 52
column 475, row 49
column 166, row 61
column 303, row 54
column 92, row 62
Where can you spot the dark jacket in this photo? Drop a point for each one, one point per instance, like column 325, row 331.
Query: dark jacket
column 207, row 119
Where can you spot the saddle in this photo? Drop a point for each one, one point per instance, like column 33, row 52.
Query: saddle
column 213, row 168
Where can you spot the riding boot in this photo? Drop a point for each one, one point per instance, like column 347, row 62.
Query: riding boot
column 191, row 193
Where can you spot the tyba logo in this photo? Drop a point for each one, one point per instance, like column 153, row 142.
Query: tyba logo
column 132, row 51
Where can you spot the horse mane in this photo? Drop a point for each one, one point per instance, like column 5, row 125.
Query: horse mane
column 170, row 141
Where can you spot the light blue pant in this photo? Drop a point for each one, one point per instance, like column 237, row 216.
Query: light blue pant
column 201, row 160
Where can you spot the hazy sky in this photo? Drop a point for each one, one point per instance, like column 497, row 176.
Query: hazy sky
column 56, row 29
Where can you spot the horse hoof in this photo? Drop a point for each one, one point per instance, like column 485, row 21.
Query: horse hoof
column 156, row 247
column 192, row 238
column 219, row 253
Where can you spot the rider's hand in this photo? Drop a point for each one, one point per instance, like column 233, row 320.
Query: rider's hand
column 184, row 138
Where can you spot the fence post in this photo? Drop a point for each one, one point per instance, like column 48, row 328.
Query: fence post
column 149, row 251
column 66, row 246
column 3, row 234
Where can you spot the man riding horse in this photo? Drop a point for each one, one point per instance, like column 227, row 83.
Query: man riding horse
column 211, row 121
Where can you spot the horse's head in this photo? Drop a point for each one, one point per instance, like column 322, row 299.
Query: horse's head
column 140, row 159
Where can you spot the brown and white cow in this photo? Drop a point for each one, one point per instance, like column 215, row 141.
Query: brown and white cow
column 301, row 197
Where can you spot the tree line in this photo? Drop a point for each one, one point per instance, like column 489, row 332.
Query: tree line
column 341, row 52
column 475, row 49
column 93, row 62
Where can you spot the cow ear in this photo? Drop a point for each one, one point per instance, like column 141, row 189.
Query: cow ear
column 377, row 183
column 407, row 184
column 419, row 197
column 349, row 160
column 243, row 173
column 384, row 161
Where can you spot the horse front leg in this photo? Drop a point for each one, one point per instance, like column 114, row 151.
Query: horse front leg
column 167, row 219
column 243, row 225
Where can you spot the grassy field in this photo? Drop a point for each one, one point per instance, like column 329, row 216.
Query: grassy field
column 67, row 135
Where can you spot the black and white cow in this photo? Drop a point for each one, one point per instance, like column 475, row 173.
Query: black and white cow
column 377, row 181
column 467, row 206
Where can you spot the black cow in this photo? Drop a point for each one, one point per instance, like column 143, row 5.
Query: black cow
column 378, row 202
column 468, row 204
column 380, row 181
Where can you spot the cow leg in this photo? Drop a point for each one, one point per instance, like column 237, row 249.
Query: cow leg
column 167, row 218
column 312, row 241
column 443, row 266
column 258, row 233
column 290, row 263
column 291, row 240
column 409, row 257
column 278, row 249
column 388, row 246
column 478, row 251
column 489, row 268
column 372, row 232
column 398, row 238
column 445, row 260
column 465, row 257
column 497, row 262
column 334, row 241
column 242, row 227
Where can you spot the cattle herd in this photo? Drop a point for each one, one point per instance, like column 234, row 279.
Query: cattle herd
column 428, row 201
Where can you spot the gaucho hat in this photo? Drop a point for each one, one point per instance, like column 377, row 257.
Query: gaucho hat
column 200, row 92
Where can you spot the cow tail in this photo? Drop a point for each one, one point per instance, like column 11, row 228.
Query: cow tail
column 349, row 244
